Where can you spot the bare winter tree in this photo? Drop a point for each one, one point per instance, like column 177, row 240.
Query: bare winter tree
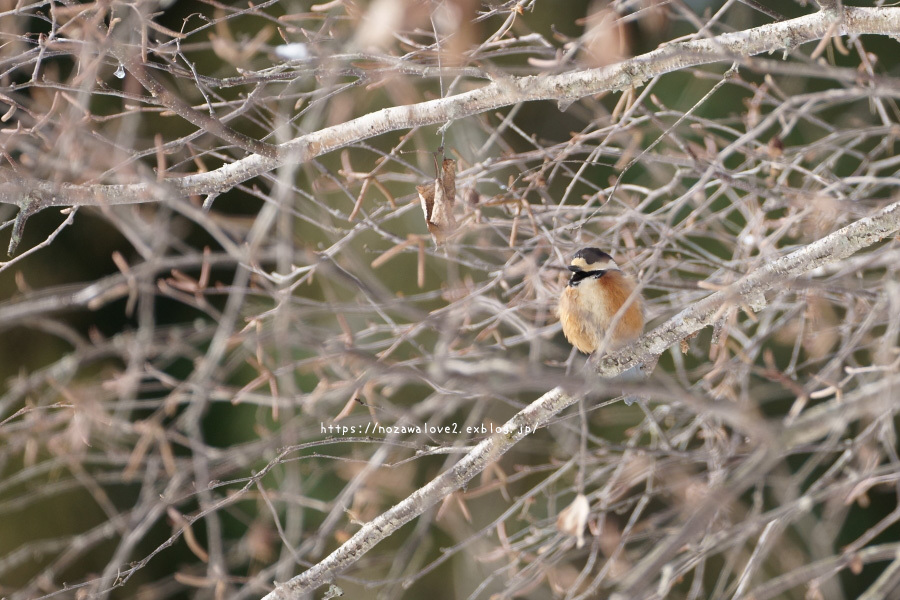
column 278, row 311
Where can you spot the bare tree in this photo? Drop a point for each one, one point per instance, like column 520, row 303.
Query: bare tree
column 316, row 251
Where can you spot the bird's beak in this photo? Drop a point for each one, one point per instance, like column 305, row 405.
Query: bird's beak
column 575, row 269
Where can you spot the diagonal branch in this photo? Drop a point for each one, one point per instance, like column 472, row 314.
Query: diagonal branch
column 836, row 246
column 207, row 123
column 566, row 88
column 750, row 290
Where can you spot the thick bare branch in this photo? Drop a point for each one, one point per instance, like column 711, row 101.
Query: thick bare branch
column 565, row 88
column 751, row 289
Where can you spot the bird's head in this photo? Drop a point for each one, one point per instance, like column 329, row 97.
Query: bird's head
column 592, row 259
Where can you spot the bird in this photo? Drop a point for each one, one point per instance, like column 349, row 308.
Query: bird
column 599, row 296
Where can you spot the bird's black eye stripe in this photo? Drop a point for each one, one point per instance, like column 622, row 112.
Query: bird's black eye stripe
column 578, row 276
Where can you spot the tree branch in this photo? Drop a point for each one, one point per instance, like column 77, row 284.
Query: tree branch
column 836, row 246
column 208, row 123
column 749, row 290
column 565, row 88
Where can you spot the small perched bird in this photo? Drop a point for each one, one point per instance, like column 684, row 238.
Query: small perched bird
column 594, row 299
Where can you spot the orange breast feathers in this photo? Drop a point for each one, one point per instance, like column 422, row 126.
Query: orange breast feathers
column 587, row 311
